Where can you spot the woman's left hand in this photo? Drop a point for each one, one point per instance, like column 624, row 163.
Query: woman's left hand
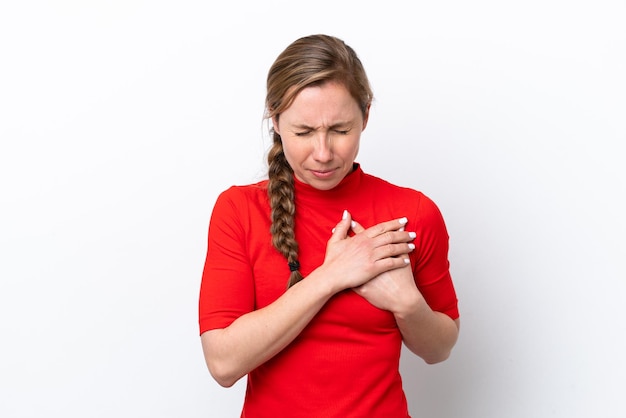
column 429, row 334
column 394, row 290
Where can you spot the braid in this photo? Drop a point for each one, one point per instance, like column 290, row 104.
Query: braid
column 308, row 61
column 281, row 194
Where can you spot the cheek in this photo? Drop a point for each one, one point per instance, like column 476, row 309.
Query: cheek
column 293, row 152
column 351, row 148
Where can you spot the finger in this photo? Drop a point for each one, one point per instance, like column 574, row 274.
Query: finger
column 399, row 250
column 356, row 227
column 381, row 228
column 343, row 227
column 391, row 263
column 389, row 242
column 388, row 237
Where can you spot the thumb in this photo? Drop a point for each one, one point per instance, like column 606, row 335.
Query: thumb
column 342, row 228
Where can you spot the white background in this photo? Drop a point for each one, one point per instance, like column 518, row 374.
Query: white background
column 121, row 121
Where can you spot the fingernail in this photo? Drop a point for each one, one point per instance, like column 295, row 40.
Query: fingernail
column 333, row 231
column 403, row 221
column 401, row 229
column 407, row 261
column 412, row 235
column 411, row 246
column 353, row 224
column 345, row 214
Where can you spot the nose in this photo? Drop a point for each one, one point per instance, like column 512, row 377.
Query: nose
column 322, row 151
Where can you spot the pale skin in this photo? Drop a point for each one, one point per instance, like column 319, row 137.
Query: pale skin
column 321, row 133
column 427, row 333
column 255, row 337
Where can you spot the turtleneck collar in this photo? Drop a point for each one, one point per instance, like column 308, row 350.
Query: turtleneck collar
column 350, row 183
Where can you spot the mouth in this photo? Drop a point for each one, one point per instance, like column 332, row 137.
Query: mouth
column 322, row 174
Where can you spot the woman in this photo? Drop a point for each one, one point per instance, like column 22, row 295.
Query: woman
column 315, row 277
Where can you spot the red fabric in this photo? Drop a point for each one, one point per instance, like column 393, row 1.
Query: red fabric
column 345, row 363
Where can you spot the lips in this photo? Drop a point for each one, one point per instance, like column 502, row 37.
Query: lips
column 323, row 173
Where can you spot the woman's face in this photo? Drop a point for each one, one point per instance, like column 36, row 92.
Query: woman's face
column 321, row 131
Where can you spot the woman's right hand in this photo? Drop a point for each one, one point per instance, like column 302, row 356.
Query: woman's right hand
column 353, row 260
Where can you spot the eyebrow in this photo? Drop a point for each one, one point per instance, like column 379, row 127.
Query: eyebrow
column 342, row 124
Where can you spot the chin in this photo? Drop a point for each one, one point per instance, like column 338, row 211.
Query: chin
column 324, row 185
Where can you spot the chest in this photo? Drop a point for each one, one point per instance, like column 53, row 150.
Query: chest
column 346, row 314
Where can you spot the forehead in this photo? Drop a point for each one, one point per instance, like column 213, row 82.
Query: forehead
column 325, row 103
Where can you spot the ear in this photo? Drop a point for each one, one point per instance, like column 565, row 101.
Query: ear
column 275, row 124
column 366, row 116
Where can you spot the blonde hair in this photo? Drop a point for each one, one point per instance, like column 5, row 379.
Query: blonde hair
column 308, row 61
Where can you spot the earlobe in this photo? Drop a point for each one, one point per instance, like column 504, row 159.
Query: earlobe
column 275, row 124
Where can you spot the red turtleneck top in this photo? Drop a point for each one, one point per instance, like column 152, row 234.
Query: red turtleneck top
column 345, row 363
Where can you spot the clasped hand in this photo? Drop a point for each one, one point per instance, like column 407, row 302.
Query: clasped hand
column 374, row 262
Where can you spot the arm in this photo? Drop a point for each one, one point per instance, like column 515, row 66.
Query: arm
column 257, row 336
column 427, row 333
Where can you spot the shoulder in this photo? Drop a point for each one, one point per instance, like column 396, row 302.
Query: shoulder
column 387, row 189
column 240, row 198
column 244, row 191
column 244, row 194
column 414, row 200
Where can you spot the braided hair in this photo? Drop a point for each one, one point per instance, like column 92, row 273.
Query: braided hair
column 308, row 61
